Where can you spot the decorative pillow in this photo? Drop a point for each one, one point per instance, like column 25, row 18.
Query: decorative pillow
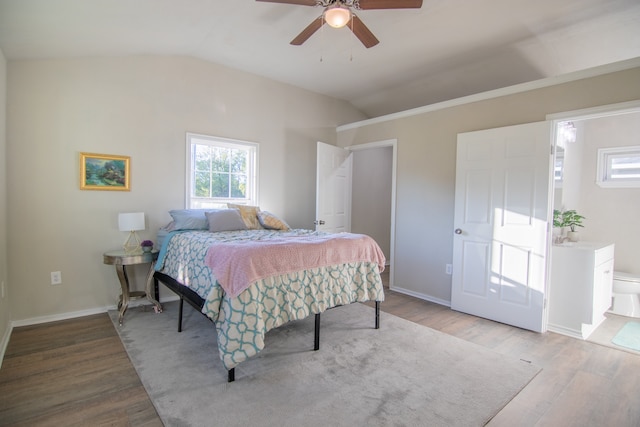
column 249, row 215
column 225, row 220
column 272, row 222
column 190, row 219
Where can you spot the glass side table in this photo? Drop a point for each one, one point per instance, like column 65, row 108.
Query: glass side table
column 120, row 260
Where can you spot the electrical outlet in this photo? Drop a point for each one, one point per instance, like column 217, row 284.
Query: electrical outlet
column 56, row 277
column 449, row 269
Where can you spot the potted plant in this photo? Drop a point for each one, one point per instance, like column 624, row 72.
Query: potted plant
column 147, row 245
column 572, row 219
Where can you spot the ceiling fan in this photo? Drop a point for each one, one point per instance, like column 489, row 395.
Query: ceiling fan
column 338, row 13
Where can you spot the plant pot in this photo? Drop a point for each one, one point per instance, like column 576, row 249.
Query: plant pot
column 573, row 236
column 147, row 249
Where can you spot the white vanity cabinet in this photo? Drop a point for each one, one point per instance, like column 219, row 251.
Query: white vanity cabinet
column 580, row 287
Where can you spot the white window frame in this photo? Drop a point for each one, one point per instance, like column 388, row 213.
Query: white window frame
column 605, row 157
column 251, row 198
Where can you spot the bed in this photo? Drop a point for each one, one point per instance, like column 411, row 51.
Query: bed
column 249, row 281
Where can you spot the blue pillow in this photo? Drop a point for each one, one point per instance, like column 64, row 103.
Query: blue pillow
column 190, row 219
column 225, row 220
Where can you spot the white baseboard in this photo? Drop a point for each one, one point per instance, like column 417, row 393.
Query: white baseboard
column 421, row 296
column 565, row 331
column 60, row 316
column 583, row 333
column 64, row 316
column 5, row 342
column 81, row 313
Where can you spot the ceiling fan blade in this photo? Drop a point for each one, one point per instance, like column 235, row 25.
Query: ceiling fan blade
column 308, row 32
column 362, row 32
column 390, row 4
column 298, row 2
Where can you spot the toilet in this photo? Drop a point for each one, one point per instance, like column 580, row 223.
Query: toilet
column 626, row 294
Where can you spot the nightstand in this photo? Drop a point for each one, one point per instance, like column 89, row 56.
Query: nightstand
column 121, row 259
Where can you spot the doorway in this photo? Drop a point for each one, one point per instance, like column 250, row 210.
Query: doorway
column 373, row 195
column 610, row 209
column 611, row 212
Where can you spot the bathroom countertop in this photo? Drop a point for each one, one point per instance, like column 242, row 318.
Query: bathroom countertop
column 582, row 245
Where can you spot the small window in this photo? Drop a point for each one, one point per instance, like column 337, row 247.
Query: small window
column 619, row 167
column 558, row 168
column 220, row 171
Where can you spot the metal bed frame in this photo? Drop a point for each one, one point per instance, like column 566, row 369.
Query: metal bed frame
column 197, row 303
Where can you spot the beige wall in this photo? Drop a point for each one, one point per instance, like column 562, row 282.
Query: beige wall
column 426, row 165
column 371, row 195
column 5, row 311
column 139, row 107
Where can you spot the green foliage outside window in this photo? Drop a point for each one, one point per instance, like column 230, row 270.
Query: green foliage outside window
column 220, row 172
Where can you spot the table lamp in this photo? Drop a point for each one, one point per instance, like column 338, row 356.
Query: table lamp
column 131, row 222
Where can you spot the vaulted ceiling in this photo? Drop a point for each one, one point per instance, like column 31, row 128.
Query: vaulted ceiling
column 445, row 50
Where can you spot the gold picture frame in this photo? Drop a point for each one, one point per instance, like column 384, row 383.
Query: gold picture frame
column 104, row 172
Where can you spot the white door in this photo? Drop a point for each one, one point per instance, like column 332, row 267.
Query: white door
column 333, row 188
column 500, row 220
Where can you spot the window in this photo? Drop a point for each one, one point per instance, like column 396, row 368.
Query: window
column 558, row 168
column 619, row 167
column 220, row 171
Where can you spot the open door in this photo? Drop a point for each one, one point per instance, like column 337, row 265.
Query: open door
column 501, row 224
column 333, row 188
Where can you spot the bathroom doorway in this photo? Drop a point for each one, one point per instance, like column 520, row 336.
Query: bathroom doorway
column 610, row 212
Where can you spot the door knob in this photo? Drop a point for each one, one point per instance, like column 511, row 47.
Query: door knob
column 320, row 222
column 458, row 231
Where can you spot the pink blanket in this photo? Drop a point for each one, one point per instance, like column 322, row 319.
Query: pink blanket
column 236, row 265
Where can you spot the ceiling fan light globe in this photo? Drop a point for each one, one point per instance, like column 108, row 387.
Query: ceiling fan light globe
column 337, row 16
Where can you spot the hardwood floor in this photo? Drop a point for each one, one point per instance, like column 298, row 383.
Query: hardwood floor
column 581, row 383
column 76, row 372
column 72, row 372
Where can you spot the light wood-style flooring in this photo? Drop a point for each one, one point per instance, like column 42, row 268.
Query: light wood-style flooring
column 581, row 383
column 76, row 372
column 71, row 373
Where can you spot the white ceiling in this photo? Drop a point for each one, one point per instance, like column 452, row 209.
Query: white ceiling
column 445, row 50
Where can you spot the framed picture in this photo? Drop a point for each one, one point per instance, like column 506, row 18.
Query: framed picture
column 104, row 172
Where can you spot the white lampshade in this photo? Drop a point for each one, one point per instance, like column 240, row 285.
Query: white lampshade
column 337, row 16
column 131, row 221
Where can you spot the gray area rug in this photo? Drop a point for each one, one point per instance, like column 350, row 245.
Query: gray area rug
column 402, row 374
